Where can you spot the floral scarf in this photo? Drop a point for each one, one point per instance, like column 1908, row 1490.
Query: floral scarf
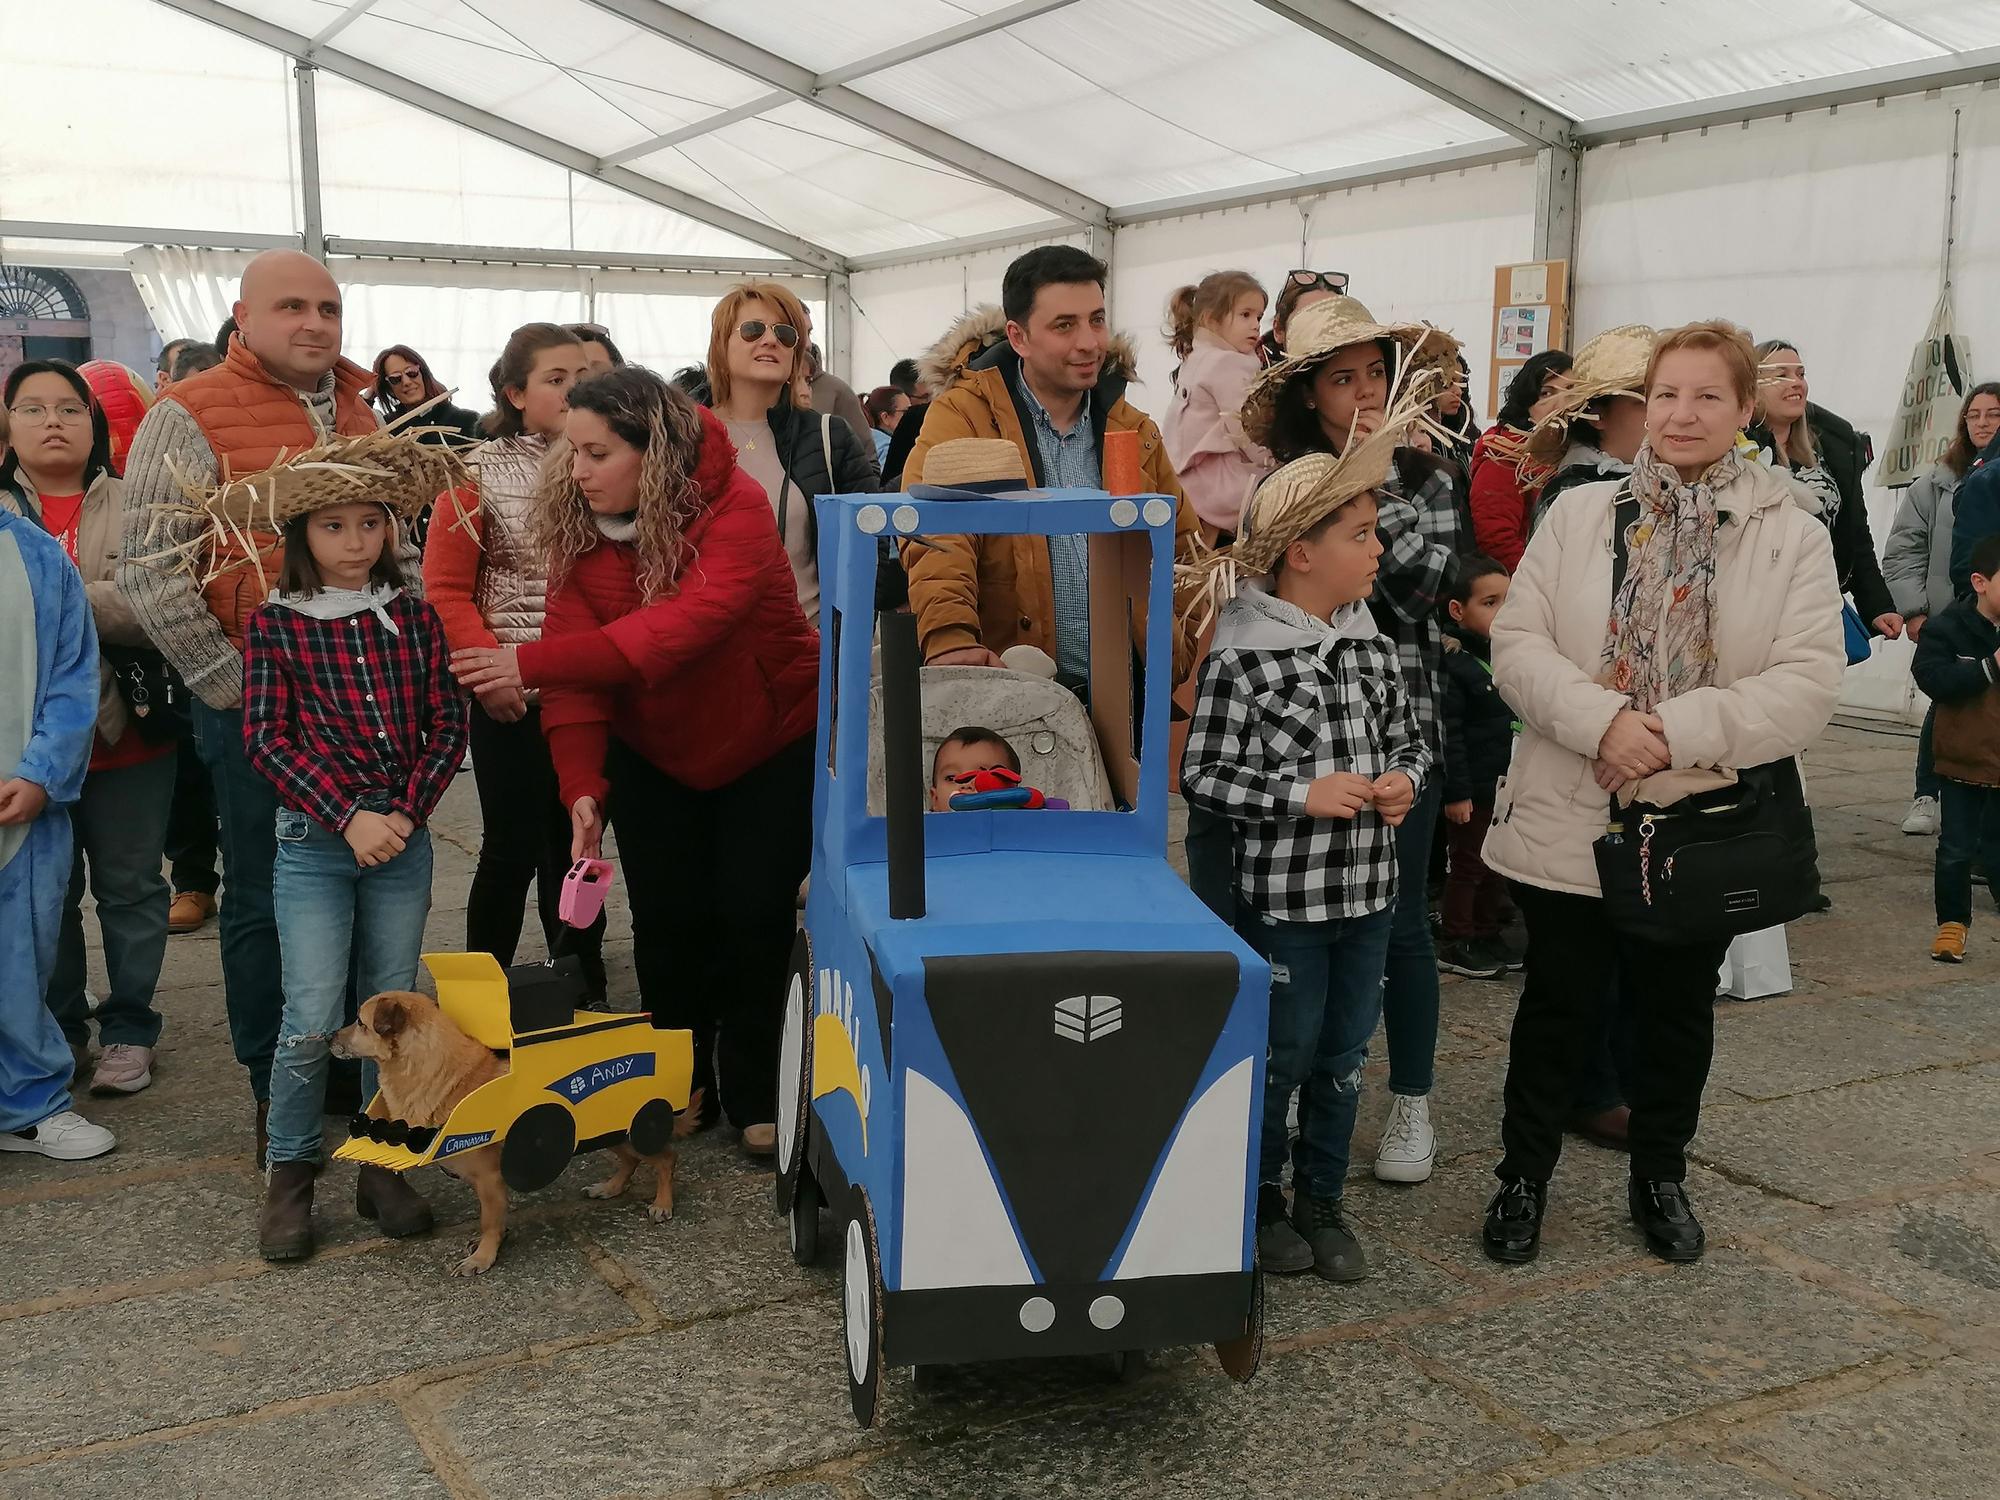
column 1660, row 640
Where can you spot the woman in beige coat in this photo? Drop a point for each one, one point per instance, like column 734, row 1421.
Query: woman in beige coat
column 1722, row 650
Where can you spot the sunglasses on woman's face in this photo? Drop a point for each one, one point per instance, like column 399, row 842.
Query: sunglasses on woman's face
column 1332, row 281
column 755, row 329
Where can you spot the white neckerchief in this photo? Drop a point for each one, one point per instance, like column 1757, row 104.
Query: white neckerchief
column 339, row 604
column 623, row 528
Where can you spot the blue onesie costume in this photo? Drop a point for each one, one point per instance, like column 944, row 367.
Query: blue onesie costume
column 48, row 711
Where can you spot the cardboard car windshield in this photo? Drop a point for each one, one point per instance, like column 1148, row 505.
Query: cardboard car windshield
column 1021, row 1061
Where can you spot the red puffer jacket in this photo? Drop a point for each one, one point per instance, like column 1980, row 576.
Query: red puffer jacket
column 708, row 682
column 1501, row 502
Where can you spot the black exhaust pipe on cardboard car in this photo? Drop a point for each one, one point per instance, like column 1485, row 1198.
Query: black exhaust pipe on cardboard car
column 903, row 761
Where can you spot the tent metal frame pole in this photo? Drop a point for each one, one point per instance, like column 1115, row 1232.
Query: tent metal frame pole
column 1556, row 174
column 561, row 153
column 1358, row 30
column 129, row 234
column 972, row 244
column 312, row 219
column 747, row 58
column 838, row 350
column 605, row 260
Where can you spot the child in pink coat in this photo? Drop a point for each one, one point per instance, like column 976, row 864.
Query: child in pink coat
column 1213, row 328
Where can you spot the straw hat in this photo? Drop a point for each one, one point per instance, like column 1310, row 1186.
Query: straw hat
column 390, row 467
column 1321, row 331
column 979, row 466
column 1612, row 364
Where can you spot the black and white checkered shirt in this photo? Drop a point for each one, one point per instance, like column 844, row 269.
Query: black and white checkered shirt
column 1271, row 719
column 1420, row 541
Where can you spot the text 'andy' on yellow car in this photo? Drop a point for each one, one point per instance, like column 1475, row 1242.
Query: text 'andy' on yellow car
column 576, row 1080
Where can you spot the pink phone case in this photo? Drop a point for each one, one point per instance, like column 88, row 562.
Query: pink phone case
column 583, row 892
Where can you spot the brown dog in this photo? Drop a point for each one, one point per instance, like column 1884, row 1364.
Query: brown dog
column 427, row 1066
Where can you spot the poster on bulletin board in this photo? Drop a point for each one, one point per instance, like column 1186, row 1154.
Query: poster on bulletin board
column 1530, row 316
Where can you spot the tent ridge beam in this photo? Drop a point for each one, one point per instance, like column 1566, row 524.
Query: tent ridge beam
column 1277, row 190
column 131, row 234
column 1372, row 38
column 605, row 260
column 999, row 239
column 708, row 126
column 715, row 44
column 937, row 41
column 573, row 158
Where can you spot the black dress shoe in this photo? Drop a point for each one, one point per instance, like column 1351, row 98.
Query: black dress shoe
column 1513, row 1232
column 1664, row 1215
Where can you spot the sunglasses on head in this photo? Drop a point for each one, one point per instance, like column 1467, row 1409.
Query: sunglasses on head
column 1332, row 281
column 753, row 330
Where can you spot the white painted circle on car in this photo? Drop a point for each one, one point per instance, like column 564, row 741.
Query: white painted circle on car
column 1123, row 512
column 1158, row 512
column 1107, row 1312
column 860, row 1316
column 791, row 1062
column 1038, row 1314
column 906, row 518
column 871, row 519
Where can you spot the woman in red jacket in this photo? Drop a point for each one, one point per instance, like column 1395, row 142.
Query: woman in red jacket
column 679, row 681
column 1503, row 494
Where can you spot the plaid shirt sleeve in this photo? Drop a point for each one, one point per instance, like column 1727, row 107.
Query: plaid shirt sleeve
column 1409, row 749
column 269, row 711
column 1418, row 551
column 1218, row 770
column 444, row 728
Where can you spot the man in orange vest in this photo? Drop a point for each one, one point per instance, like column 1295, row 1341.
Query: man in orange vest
column 281, row 388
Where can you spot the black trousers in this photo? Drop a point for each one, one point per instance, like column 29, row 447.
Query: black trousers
column 1574, row 957
column 191, row 826
column 714, row 881
column 525, row 841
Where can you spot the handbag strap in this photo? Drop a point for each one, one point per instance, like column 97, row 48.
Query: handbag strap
column 1624, row 511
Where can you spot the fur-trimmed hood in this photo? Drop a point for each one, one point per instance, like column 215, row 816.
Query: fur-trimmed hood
column 974, row 337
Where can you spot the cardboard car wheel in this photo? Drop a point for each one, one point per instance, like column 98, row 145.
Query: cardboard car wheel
column 861, row 1311
column 795, row 1063
column 804, row 1219
column 652, row 1128
column 1241, row 1356
column 538, row 1146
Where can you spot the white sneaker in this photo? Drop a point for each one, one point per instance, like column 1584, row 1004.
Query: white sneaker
column 1409, row 1145
column 64, row 1136
column 1923, row 816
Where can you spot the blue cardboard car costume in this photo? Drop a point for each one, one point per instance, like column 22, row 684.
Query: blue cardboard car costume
column 1020, row 1060
column 48, row 711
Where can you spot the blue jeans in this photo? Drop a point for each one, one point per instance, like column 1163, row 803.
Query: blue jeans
column 1410, row 991
column 328, row 909
column 1968, row 832
column 120, row 824
column 245, row 804
column 1927, row 776
column 1326, row 996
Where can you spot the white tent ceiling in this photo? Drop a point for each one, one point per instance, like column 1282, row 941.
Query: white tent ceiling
column 838, row 133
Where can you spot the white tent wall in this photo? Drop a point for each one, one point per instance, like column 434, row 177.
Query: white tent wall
column 1827, row 228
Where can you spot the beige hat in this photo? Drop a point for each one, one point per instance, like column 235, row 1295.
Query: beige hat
column 1612, row 364
column 983, row 465
column 1322, row 330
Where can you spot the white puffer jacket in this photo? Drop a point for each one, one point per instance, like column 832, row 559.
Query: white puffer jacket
column 1780, row 649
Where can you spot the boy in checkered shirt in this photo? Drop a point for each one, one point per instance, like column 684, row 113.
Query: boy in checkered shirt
column 1304, row 739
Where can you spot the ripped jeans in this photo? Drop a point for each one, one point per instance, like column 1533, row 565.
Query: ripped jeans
column 1326, row 996
column 329, row 910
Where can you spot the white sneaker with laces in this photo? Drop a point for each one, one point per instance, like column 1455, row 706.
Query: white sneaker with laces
column 63, row 1136
column 123, row 1068
column 1923, row 816
column 1409, row 1145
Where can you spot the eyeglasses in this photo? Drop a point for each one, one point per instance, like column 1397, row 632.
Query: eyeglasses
column 753, row 330
column 1332, row 281
column 34, row 414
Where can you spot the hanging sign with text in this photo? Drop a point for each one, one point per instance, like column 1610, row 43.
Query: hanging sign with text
column 1927, row 415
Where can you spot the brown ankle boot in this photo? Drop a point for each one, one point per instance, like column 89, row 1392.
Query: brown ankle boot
column 284, row 1228
column 263, row 1135
column 388, row 1198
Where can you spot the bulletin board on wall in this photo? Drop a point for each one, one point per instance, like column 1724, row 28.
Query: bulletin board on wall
column 1530, row 315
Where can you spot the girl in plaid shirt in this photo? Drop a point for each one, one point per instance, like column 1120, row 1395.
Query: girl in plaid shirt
column 351, row 712
column 1304, row 740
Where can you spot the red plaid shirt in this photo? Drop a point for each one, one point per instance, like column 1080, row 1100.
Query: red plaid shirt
column 335, row 709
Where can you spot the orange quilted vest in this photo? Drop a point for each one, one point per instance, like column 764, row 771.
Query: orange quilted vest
column 249, row 419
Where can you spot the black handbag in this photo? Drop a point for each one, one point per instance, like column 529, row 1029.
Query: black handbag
column 152, row 690
column 1714, row 865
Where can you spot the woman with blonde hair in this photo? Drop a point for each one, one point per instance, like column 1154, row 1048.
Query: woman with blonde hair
column 679, row 681
column 1718, row 652
column 1213, row 328
column 757, row 366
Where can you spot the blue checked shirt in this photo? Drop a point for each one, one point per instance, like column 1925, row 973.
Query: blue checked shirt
column 1069, row 461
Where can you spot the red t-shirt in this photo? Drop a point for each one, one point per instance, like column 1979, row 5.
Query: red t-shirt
column 62, row 515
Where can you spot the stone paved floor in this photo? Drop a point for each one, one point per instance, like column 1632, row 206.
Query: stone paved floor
column 1842, row 1338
